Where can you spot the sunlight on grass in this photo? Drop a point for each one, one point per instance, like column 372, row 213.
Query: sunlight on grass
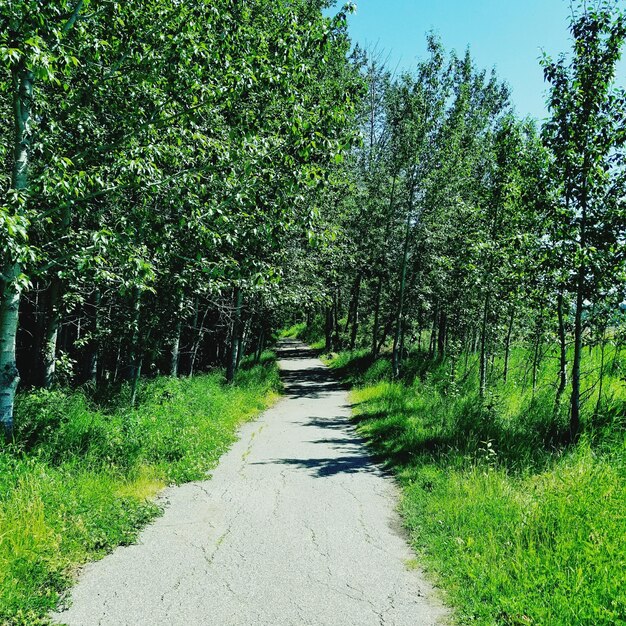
column 81, row 480
column 517, row 529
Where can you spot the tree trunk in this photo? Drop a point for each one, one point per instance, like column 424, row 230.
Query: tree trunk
column 432, row 344
column 562, row 352
column 136, row 356
column 578, row 317
column 601, row 381
column 51, row 333
column 328, row 330
column 536, row 352
column 259, row 348
column 178, row 329
column 441, row 338
column 199, row 337
column 376, row 317
column 243, row 340
column 9, row 376
column 578, row 348
column 94, row 343
column 355, row 311
column 483, row 347
column 507, row 345
column 23, row 80
column 118, row 359
column 235, row 335
column 396, row 356
column 336, row 342
column 386, row 330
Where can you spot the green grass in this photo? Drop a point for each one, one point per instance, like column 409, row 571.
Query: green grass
column 80, row 481
column 516, row 528
column 312, row 335
column 295, row 331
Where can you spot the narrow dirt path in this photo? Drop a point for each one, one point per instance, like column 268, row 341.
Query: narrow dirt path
column 296, row 527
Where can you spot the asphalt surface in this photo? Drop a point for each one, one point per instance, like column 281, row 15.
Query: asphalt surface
column 297, row 526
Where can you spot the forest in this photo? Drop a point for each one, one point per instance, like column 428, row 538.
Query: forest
column 181, row 181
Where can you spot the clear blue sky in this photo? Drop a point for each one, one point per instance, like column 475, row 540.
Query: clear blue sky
column 506, row 34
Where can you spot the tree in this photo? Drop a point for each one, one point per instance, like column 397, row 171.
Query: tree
column 586, row 135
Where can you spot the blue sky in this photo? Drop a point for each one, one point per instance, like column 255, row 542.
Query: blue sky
column 506, row 34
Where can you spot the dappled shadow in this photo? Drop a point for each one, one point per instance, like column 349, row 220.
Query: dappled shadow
column 344, row 451
column 294, row 349
column 324, row 467
column 311, row 382
column 337, row 423
column 352, row 455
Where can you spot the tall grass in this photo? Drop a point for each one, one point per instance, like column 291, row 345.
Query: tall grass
column 81, row 480
column 518, row 528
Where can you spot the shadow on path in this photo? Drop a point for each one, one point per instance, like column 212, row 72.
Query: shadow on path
column 306, row 378
column 330, row 466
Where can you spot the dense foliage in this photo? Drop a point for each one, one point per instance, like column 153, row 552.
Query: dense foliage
column 157, row 157
column 464, row 232
column 474, row 294
column 180, row 179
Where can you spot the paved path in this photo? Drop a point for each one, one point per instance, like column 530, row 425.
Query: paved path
column 296, row 527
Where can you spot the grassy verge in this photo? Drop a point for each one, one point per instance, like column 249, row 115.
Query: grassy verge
column 312, row 335
column 518, row 529
column 81, row 481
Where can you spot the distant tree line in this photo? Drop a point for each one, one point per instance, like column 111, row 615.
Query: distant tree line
column 460, row 230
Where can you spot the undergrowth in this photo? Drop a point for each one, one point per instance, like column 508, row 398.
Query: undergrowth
column 80, row 480
column 312, row 334
column 518, row 528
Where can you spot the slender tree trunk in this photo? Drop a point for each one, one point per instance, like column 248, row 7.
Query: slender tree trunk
column 578, row 348
column 199, row 337
column 536, row 352
column 118, row 359
column 483, row 347
column 507, row 345
column 601, row 380
column 196, row 340
column 175, row 350
column 136, row 352
column 51, row 333
column 578, row 317
column 396, row 356
column 328, row 329
column 243, row 340
column 355, row 311
column 259, row 349
column 383, row 338
column 432, row 345
column 336, row 312
column 178, row 329
column 379, row 285
column 235, row 335
column 562, row 352
column 442, row 335
column 23, row 80
column 93, row 348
